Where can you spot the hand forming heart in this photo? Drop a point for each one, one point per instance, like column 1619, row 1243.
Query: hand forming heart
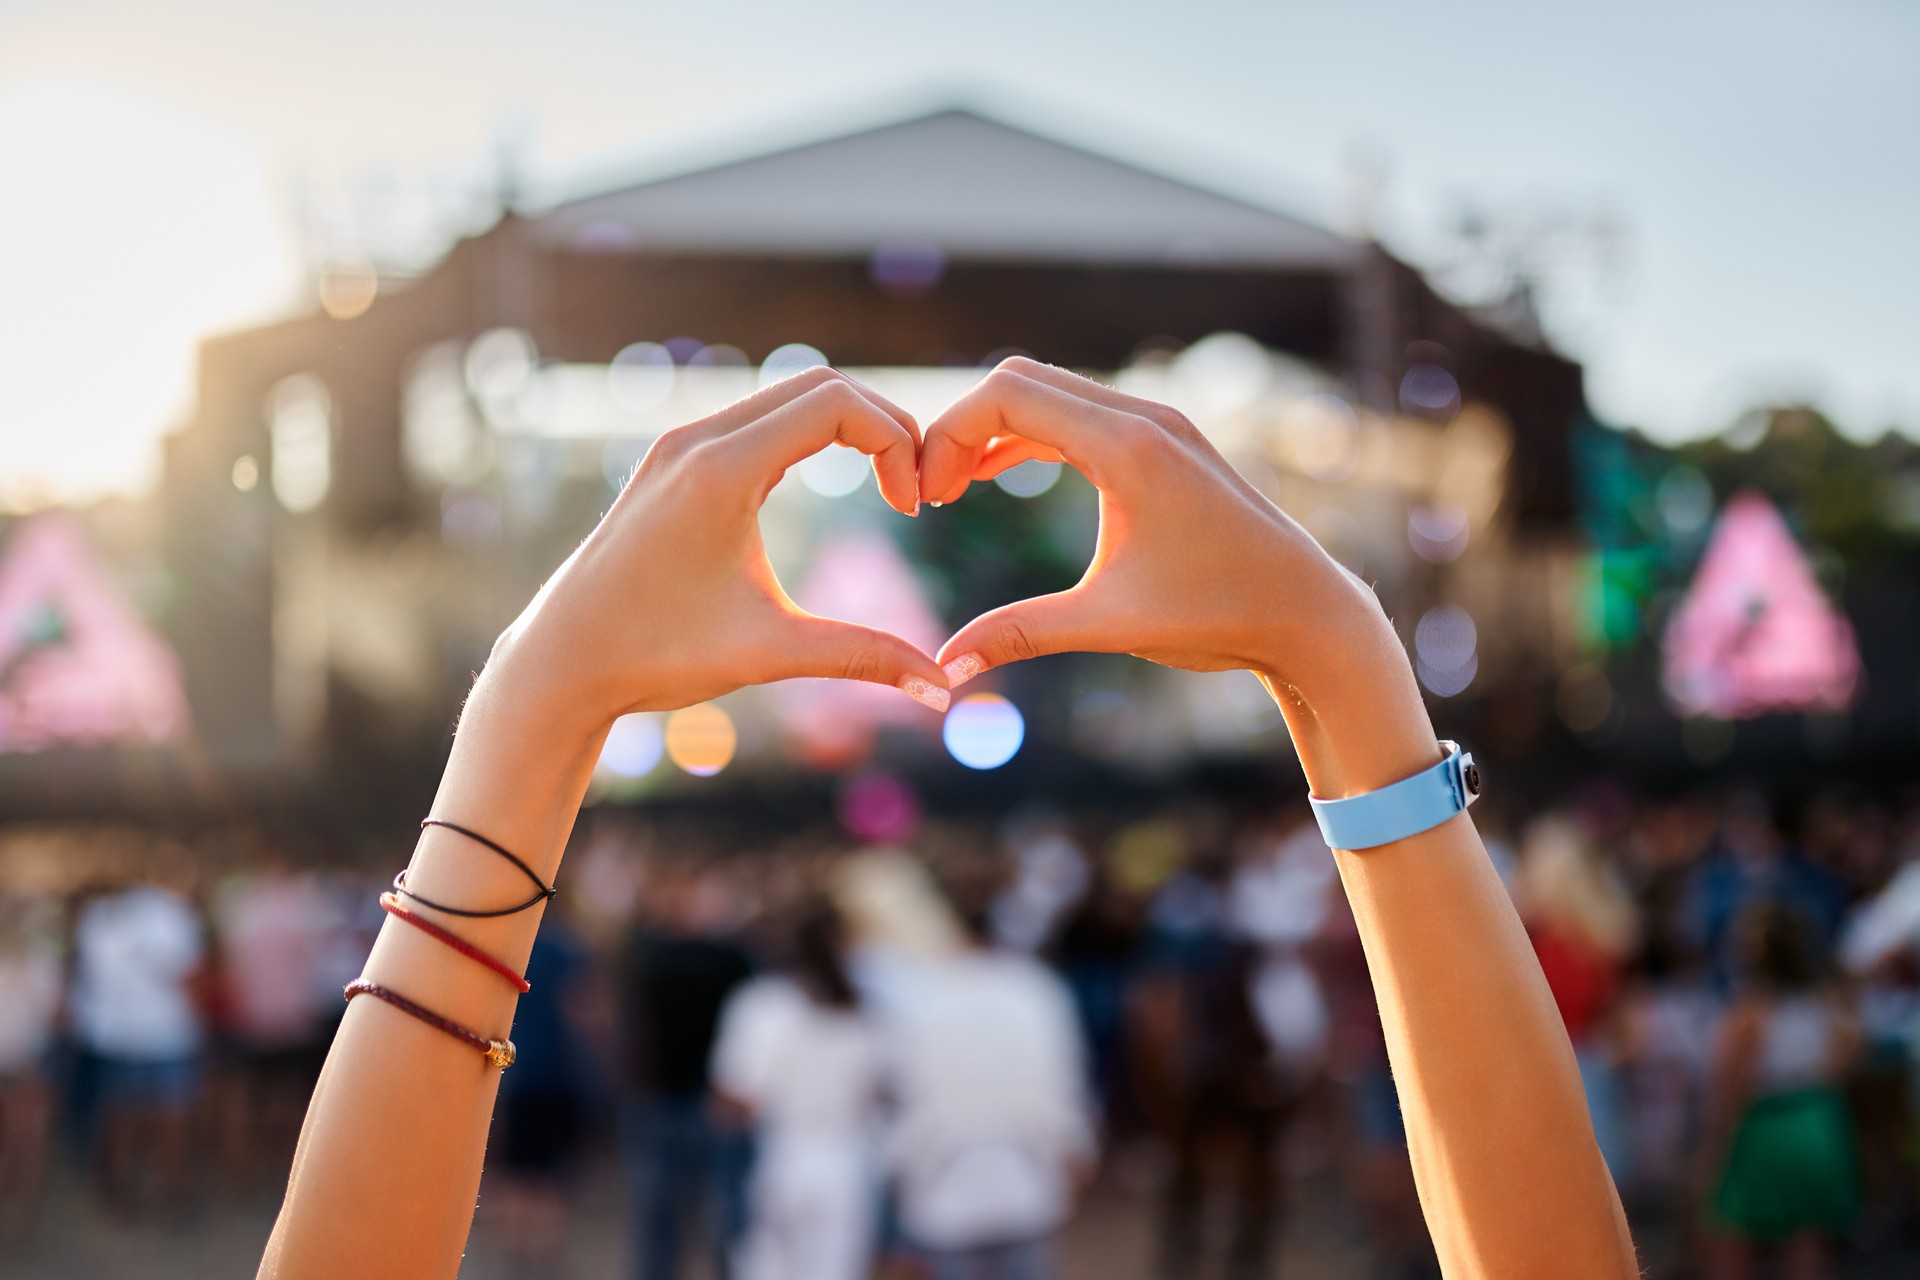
column 1193, row 568
column 671, row 600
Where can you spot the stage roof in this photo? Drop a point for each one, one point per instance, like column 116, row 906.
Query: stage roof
column 954, row 181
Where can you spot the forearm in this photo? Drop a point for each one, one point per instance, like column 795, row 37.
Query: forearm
column 669, row 601
column 1509, row 1174
column 388, row 1166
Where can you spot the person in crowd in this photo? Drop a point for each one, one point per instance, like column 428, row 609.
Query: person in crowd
column 671, row 601
column 1094, row 953
column 800, row 1062
column 30, row 989
column 1584, row 931
column 992, row 1128
column 1880, row 952
column 1377, row 1168
column 1245, row 1027
column 685, row 1167
column 1050, row 879
column 546, row 1104
column 1668, row 1016
column 268, row 925
column 1779, row 1143
column 1753, row 863
column 136, row 1007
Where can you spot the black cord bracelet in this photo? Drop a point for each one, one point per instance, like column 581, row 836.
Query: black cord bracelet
column 545, row 890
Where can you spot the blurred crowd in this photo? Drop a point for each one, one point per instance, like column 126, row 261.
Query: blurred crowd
column 802, row 1061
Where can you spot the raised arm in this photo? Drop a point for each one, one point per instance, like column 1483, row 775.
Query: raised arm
column 669, row 601
column 1195, row 569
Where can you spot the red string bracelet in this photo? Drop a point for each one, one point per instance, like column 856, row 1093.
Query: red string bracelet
column 395, row 908
column 499, row 1053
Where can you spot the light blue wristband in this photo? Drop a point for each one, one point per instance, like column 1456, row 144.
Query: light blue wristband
column 1401, row 809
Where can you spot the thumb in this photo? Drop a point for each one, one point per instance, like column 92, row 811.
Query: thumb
column 848, row 651
column 1059, row 623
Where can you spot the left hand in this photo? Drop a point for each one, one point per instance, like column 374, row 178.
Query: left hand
column 671, row 599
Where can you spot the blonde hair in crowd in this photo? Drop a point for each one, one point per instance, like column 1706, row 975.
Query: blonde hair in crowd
column 1565, row 884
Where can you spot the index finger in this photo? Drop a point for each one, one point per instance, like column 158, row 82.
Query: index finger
column 752, row 408
column 1012, row 402
column 835, row 412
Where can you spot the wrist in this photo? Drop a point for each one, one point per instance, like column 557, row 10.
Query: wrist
column 536, row 695
column 1352, row 705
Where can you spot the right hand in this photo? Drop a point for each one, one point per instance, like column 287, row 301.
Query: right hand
column 1193, row 568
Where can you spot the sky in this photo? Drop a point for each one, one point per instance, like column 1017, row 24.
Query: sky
column 1721, row 198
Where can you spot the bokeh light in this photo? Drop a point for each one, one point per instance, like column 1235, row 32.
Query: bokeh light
column 1438, row 533
column 984, row 731
column 1319, row 435
column 1223, row 374
column 1030, row 479
column 701, row 739
column 634, row 746
column 441, row 440
column 1446, row 648
column 640, row 377
column 347, row 289
column 1685, row 500
column 499, row 365
column 835, row 471
column 720, row 355
column 784, row 362
column 246, row 473
column 1445, row 682
column 1429, row 391
column 907, row 270
column 878, row 808
column 300, row 425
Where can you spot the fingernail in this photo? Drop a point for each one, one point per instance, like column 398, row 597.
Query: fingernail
column 926, row 693
column 962, row 669
column 936, row 504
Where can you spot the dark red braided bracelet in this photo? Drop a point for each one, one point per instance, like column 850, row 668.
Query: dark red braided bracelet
column 499, row 1053
column 397, row 909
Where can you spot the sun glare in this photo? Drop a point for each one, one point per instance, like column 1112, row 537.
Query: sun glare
column 130, row 230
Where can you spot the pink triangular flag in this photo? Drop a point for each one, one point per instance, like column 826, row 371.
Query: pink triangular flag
column 108, row 679
column 1754, row 632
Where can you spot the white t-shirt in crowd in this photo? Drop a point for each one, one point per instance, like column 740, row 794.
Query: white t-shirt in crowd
column 806, row 1069
column 812, row 1075
column 986, row 1065
column 133, row 954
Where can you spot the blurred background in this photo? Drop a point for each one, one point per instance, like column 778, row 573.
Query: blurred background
column 1586, row 338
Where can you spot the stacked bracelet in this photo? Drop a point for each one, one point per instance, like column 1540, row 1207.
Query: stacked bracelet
column 499, row 1053
column 542, row 893
column 395, row 908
